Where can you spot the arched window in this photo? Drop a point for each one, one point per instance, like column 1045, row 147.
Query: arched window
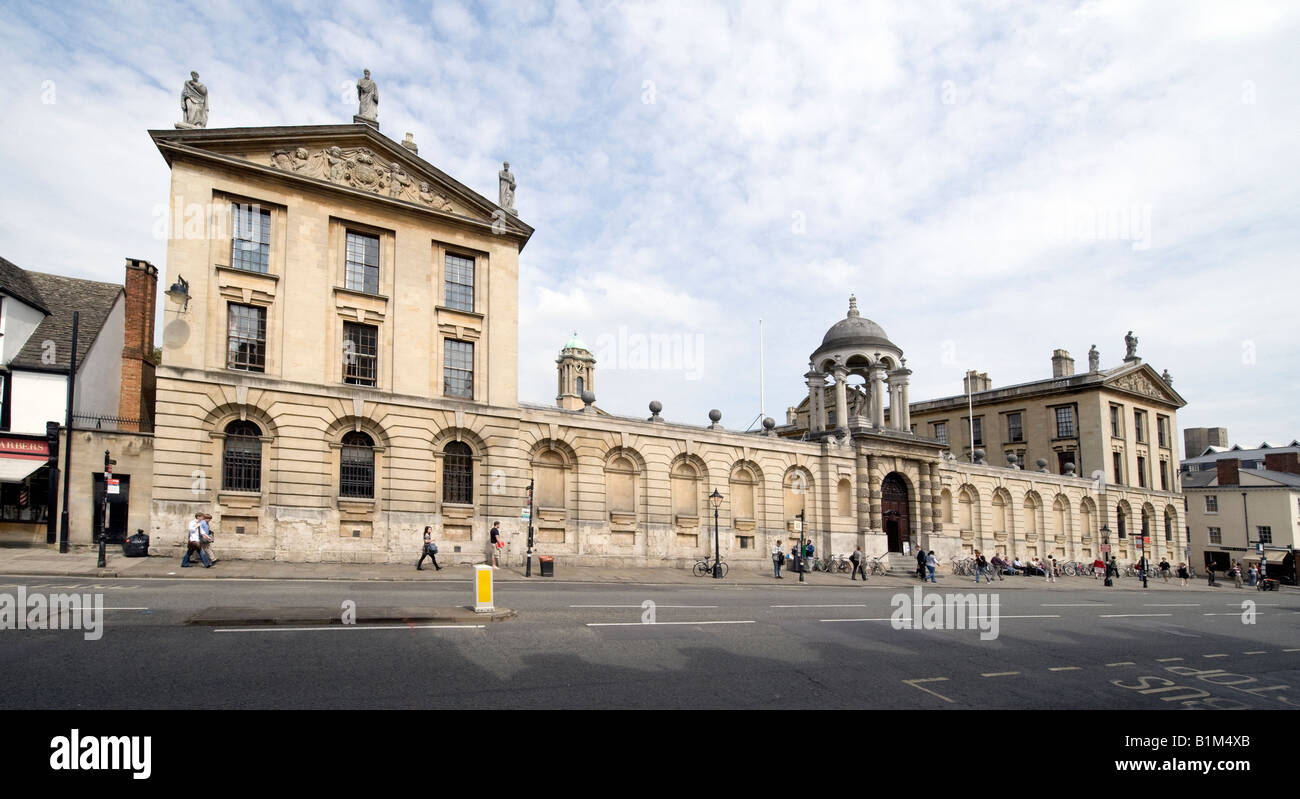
column 844, row 497
column 580, row 384
column 357, row 466
column 999, row 514
column 1121, row 522
column 241, row 460
column 945, row 506
column 685, row 490
column 458, row 473
column 965, row 510
column 548, row 471
column 620, row 485
column 742, row 494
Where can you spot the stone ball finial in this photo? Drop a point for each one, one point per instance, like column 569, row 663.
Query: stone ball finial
column 588, row 397
column 979, row 456
column 1042, row 464
column 656, row 406
column 1069, row 469
column 715, row 416
column 1012, row 460
column 768, row 423
column 853, row 306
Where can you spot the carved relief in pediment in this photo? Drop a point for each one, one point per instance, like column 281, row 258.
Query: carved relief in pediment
column 1140, row 384
column 360, row 168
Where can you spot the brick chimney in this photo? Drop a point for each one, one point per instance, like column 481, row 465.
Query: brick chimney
column 138, row 380
column 1062, row 364
column 1288, row 462
column 1228, row 468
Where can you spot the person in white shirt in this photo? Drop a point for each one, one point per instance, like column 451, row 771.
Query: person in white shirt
column 194, row 543
column 777, row 557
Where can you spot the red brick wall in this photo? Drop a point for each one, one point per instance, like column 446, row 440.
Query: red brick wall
column 137, row 350
column 1228, row 471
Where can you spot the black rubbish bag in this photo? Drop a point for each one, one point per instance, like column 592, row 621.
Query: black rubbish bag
column 136, row 546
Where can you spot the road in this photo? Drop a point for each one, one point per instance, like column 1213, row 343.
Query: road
column 582, row 645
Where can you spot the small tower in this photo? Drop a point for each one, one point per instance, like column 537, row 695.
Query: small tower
column 577, row 373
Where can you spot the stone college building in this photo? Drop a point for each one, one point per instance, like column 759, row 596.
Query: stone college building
column 340, row 364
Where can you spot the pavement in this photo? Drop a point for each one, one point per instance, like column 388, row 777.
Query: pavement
column 80, row 562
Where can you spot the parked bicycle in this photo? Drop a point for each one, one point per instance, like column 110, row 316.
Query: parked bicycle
column 704, row 568
column 877, row 565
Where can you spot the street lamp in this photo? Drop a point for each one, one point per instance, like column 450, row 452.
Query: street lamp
column 716, row 500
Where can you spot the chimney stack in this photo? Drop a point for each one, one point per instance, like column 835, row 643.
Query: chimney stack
column 975, row 382
column 138, row 380
column 1062, row 364
column 1228, row 468
column 1288, row 462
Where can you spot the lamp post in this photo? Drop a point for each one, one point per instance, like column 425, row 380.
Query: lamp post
column 715, row 499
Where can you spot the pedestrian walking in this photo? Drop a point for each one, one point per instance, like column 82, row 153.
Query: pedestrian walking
column 194, row 543
column 497, row 544
column 930, row 565
column 1209, row 572
column 1235, row 573
column 920, row 564
column 1164, row 569
column 1049, row 566
column 981, row 568
column 205, row 525
column 1254, row 575
column 1183, row 575
column 430, row 551
column 778, row 559
column 859, row 564
column 1098, row 568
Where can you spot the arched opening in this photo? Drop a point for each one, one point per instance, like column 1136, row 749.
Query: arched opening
column 894, row 507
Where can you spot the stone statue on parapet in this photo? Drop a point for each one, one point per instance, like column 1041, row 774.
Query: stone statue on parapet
column 367, row 98
column 1094, row 359
column 507, row 184
column 1131, row 344
column 194, row 104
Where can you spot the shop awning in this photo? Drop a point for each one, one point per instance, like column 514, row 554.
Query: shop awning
column 15, row 470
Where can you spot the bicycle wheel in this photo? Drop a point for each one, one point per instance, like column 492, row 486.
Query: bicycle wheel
column 844, row 566
column 701, row 569
column 725, row 568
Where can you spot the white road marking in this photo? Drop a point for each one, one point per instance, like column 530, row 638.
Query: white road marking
column 972, row 618
column 1066, row 668
column 1130, row 615
column 323, row 627
column 1000, row 674
column 1256, row 652
column 1291, row 650
column 657, row 605
column 1121, row 663
column 860, row 605
column 1215, row 656
column 1079, row 605
column 1188, row 605
column 1167, row 660
column 659, row 623
column 913, row 683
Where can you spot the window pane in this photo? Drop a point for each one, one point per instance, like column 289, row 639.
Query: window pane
column 357, row 466
column 246, row 342
column 459, row 292
column 1064, row 423
column 362, row 270
column 458, row 368
column 250, row 241
column 241, row 466
column 458, row 474
column 360, row 354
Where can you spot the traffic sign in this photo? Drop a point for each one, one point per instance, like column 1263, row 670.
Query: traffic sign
column 525, row 514
column 1105, row 547
column 112, row 486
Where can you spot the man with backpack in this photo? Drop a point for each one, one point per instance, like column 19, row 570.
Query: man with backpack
column 858, row 561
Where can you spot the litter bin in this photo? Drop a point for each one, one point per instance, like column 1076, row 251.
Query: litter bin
column 548, row 565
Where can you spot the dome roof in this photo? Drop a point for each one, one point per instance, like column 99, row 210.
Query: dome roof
column 855, row 331
column 574, row 343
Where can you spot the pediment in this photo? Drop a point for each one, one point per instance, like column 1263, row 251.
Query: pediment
column 1144, row 382
column 354, row 157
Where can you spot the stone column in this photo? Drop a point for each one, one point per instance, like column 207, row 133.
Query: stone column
column 873, row 492
column 924, row 500
column 816, row 384
column 900, row 416
column 936, row 490
column 841, row 400
column 877, row 374
column 864, row 491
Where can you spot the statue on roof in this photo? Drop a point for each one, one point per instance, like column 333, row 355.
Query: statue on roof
column 368, row 98
column 194, row 104
column 507, row 185
column 1131, row 343
column 1094, row 359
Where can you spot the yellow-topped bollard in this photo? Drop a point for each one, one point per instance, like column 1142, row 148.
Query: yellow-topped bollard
column 483, row 589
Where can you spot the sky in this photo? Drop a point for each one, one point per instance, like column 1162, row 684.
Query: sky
column 992, row 181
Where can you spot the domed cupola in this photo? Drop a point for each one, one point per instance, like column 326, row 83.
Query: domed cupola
column 855, row 332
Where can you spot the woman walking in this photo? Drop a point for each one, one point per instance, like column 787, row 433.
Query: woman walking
column 429, row 551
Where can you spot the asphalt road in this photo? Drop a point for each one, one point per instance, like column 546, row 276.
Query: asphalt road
column 710, row 646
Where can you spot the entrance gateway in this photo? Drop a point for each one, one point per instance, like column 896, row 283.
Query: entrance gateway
column 894, row 510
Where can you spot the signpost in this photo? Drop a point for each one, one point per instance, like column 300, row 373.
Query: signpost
column 527, row 515
column 110, row 487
